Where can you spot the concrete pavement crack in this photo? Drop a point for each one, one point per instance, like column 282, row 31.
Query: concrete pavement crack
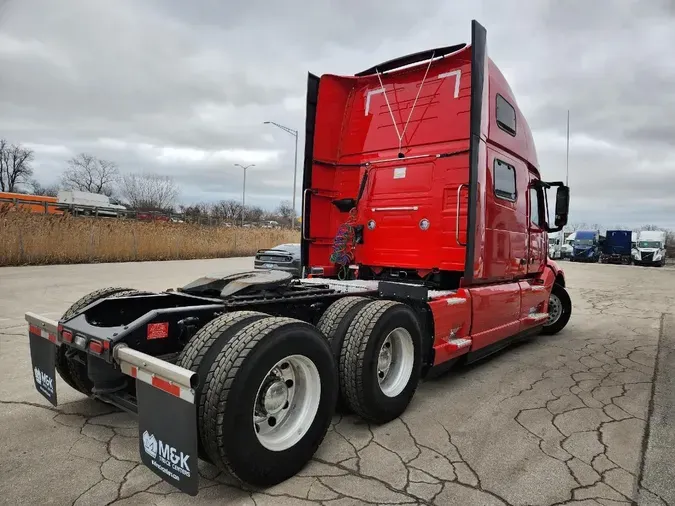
column 365, row 477
column 478, row 478
column 33, row 405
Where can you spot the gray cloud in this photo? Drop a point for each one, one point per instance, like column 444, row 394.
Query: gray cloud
column 182, row 88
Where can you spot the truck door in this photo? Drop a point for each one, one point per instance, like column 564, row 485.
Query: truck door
column 536, row 252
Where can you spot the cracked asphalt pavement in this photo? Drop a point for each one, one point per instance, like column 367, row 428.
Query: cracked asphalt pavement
column 584, row 417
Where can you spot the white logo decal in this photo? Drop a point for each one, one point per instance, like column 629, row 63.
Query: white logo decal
column 150, row 444
column 166, row 455
column 44, row 381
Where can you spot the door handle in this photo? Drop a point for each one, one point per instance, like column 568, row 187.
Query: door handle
column 459, row 191
column 305, row 222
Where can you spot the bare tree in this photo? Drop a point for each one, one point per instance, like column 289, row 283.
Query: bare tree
column 149, row 192
column 87, row 173
column 15, row 168
column 227, row 209
column 253, row 213
column 286, row 212
column 651, row 227
column 36, row 188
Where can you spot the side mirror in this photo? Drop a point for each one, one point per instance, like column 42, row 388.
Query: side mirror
column 562, row 206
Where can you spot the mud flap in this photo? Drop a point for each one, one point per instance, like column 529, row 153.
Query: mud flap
column 43, row 361
column 167, row 428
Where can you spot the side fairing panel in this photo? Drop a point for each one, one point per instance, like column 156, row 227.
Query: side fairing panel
column 324, row 182
column 474, row 269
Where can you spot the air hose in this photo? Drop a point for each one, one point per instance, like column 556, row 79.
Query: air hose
column 345, row 238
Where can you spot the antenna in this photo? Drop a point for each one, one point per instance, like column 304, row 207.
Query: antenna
column 567, row 174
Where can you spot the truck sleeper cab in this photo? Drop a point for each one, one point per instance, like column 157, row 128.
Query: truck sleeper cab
column 424, row 242
column 586, row 246
column 650, row 248
column 428, row 174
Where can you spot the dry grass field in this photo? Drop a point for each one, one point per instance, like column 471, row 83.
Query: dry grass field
column 33, row 239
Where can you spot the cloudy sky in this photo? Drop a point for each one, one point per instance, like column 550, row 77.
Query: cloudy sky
column 182, row 88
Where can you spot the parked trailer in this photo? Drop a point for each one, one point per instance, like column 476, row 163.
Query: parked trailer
column 31, row 203
column 407, row 247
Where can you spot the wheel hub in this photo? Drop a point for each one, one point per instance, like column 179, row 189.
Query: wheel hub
column 395, row 362
column 384, row 360
column 286, row 402
column 276, row 396
column 554, row 309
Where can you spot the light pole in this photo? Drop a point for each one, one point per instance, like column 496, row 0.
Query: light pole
column 294, row 133
column 243, row 191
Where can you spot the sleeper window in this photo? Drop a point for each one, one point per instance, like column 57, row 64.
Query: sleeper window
column 506, row 116
column 505, row 180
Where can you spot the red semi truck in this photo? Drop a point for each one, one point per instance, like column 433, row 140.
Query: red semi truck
column 424, row 244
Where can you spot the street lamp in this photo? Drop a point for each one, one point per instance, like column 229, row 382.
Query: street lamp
column 294, row 133
column 243, row 191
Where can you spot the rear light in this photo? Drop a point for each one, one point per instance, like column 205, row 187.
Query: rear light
column 96, row 346
column 67, row 336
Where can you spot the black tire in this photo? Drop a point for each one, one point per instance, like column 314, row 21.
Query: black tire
column 240, row 368
column 561, row 322
column 74, row 372
column 200, row 354
column 359, row 358
column 334, row 324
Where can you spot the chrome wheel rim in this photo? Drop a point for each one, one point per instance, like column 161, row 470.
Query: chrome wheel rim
column 554, row 309
column 286, row 402
column 395, row 362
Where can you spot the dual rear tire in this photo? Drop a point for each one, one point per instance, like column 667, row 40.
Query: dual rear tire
column 377, row 346
column 269, row 386
column 267, row 393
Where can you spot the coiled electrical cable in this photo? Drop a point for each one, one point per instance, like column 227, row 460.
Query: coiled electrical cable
column 343, row 243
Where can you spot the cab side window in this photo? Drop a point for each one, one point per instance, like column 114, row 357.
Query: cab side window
column 504, row 180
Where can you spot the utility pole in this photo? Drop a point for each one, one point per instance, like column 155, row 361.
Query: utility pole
column 243, row 190
column 294, row 133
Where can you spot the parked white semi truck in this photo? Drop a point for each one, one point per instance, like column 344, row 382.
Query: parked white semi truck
column 650, row 248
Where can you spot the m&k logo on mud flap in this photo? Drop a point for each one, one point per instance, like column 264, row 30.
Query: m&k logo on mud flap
column 150, row 444
column 165, row 457
column 44, row 381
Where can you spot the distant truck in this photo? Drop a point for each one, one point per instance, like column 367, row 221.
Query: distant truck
column 31, row 203
column 555, row 245
column 616, row 248
column 650, row 248
column 85, row 203
column 586, row 246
